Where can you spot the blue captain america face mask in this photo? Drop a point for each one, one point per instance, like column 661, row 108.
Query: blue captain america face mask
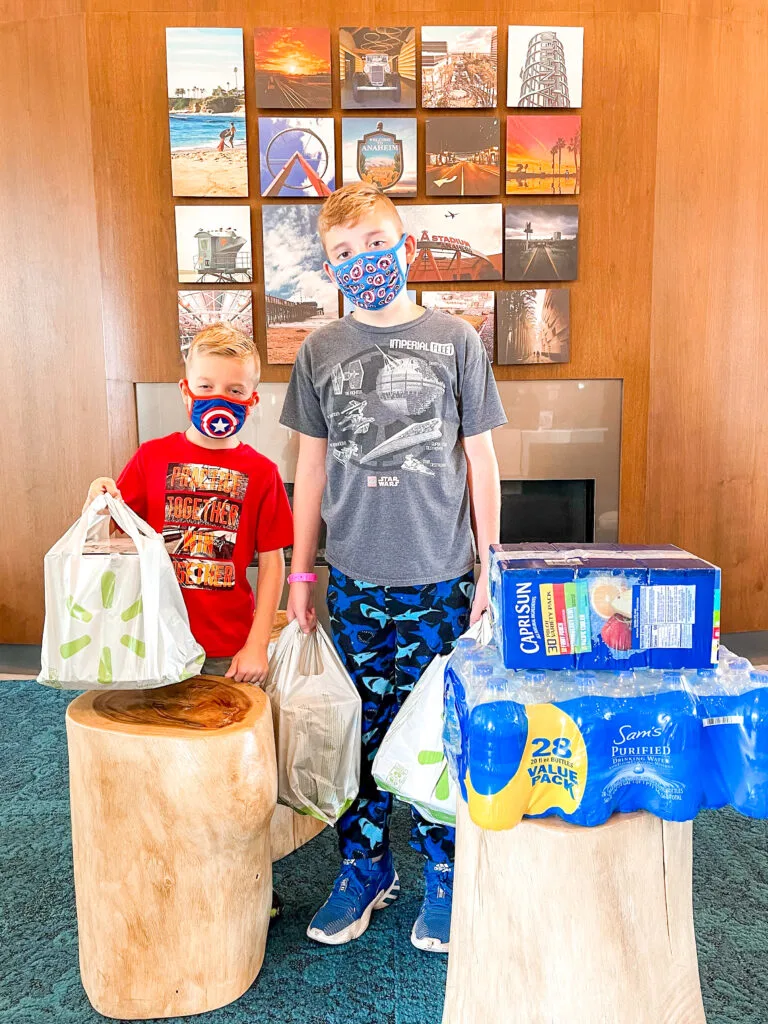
column 217, row 415
column 373, row 280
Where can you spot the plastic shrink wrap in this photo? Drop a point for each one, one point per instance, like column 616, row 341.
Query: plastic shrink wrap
column 583, row 745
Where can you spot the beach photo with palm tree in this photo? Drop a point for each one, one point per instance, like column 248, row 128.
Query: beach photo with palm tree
column 206, row 112
column 543, row 154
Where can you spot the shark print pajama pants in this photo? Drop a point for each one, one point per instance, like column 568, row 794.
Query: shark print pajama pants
column 386, row 637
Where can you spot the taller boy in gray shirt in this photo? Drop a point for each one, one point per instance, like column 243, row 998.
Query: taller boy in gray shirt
column 394, row 405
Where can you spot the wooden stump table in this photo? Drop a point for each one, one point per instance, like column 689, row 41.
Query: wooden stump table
column 555, row 924
column 290, row 830
column 172, row 792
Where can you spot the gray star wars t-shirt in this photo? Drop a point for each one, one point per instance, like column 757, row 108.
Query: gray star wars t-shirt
column 394, row 403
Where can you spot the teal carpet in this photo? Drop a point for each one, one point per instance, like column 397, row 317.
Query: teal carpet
column 381, row 978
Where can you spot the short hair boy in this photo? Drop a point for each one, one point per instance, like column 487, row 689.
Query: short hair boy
column 394, row 405
column 216, row 501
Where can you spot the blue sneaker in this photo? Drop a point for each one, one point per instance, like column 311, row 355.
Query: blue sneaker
column 433, row 925
column 361, row 887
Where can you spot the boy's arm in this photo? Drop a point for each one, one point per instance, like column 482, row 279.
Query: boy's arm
column 307, row 499
column 485, row 498
column 101, row 485
column 250, row 664
column 131, row 487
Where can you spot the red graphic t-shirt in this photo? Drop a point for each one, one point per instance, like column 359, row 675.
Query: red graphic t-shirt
column 215, row 508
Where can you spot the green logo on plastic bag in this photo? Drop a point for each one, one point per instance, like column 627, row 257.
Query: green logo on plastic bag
column 442, row 791
column 77, row 611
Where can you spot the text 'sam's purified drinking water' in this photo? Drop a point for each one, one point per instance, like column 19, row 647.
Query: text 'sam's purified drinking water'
column 583, row 745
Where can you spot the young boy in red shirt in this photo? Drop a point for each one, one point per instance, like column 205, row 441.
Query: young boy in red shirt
column 216, row 501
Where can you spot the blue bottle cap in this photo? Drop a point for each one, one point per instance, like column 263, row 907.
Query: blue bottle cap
column 583, row 677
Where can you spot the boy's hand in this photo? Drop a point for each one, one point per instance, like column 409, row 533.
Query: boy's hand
column 249, row 665
column 480, row 603
column 301, row 606
column 101, row 485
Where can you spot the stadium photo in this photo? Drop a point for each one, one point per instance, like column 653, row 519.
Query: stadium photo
column 455, row 243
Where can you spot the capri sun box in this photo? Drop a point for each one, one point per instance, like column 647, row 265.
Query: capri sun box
column 605, row 607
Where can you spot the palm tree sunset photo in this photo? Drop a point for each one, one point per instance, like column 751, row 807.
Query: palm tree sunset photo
column 544, row 154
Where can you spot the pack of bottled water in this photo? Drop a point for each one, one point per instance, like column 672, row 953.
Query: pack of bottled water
column 583, row 744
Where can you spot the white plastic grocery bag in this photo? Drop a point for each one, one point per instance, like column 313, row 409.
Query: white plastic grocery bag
column 114, row 614
column 410, row 761
column 317, row 716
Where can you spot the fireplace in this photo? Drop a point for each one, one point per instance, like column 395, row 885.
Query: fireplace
column 558, row 454
column 531, row 510
column 555, row 511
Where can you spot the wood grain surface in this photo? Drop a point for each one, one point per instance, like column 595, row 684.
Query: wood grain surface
column 207, row 703
column 672, row 268
column 53, row 415
column 171, row 846
column 555, row 923
column 610, row 302
column 290, row 830
column 708, row 440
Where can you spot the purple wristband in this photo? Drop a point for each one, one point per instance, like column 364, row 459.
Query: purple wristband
column 303, row 577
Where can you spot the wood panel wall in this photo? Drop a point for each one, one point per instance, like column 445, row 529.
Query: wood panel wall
column 671, row 277
column 708, row 432
column 610, row 301
column 53, row 414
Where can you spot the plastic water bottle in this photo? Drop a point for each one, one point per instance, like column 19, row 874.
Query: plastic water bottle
column 642, row 741
column 586, row 682
column 751, row 797
column 469, row 681
column 623, row 685
column 497, row 735
column 715, row 703
column 725, row 657
column 531, row 686
column 649, row 681
column 451, row 729
column 563, row 686
column 463, row 646
column 735, row 727
column 490, row 655
column 655, row 749
column 482, row 673
column 457, row 684
column 704, row 682
column 582, row 706
column 459, row 659
column 738, row 676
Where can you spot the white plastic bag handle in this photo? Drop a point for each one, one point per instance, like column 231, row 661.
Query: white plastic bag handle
column 290, row 637
column 140, row 533
column 125, row 517
column 310, row 661
column 481, row 630
column 315, row 650
column 311, row 657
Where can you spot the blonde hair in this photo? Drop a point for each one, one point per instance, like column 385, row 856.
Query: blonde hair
column 222, row 339
column 350, row 203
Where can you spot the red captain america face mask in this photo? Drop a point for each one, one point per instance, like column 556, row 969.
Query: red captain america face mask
column 219, row 416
